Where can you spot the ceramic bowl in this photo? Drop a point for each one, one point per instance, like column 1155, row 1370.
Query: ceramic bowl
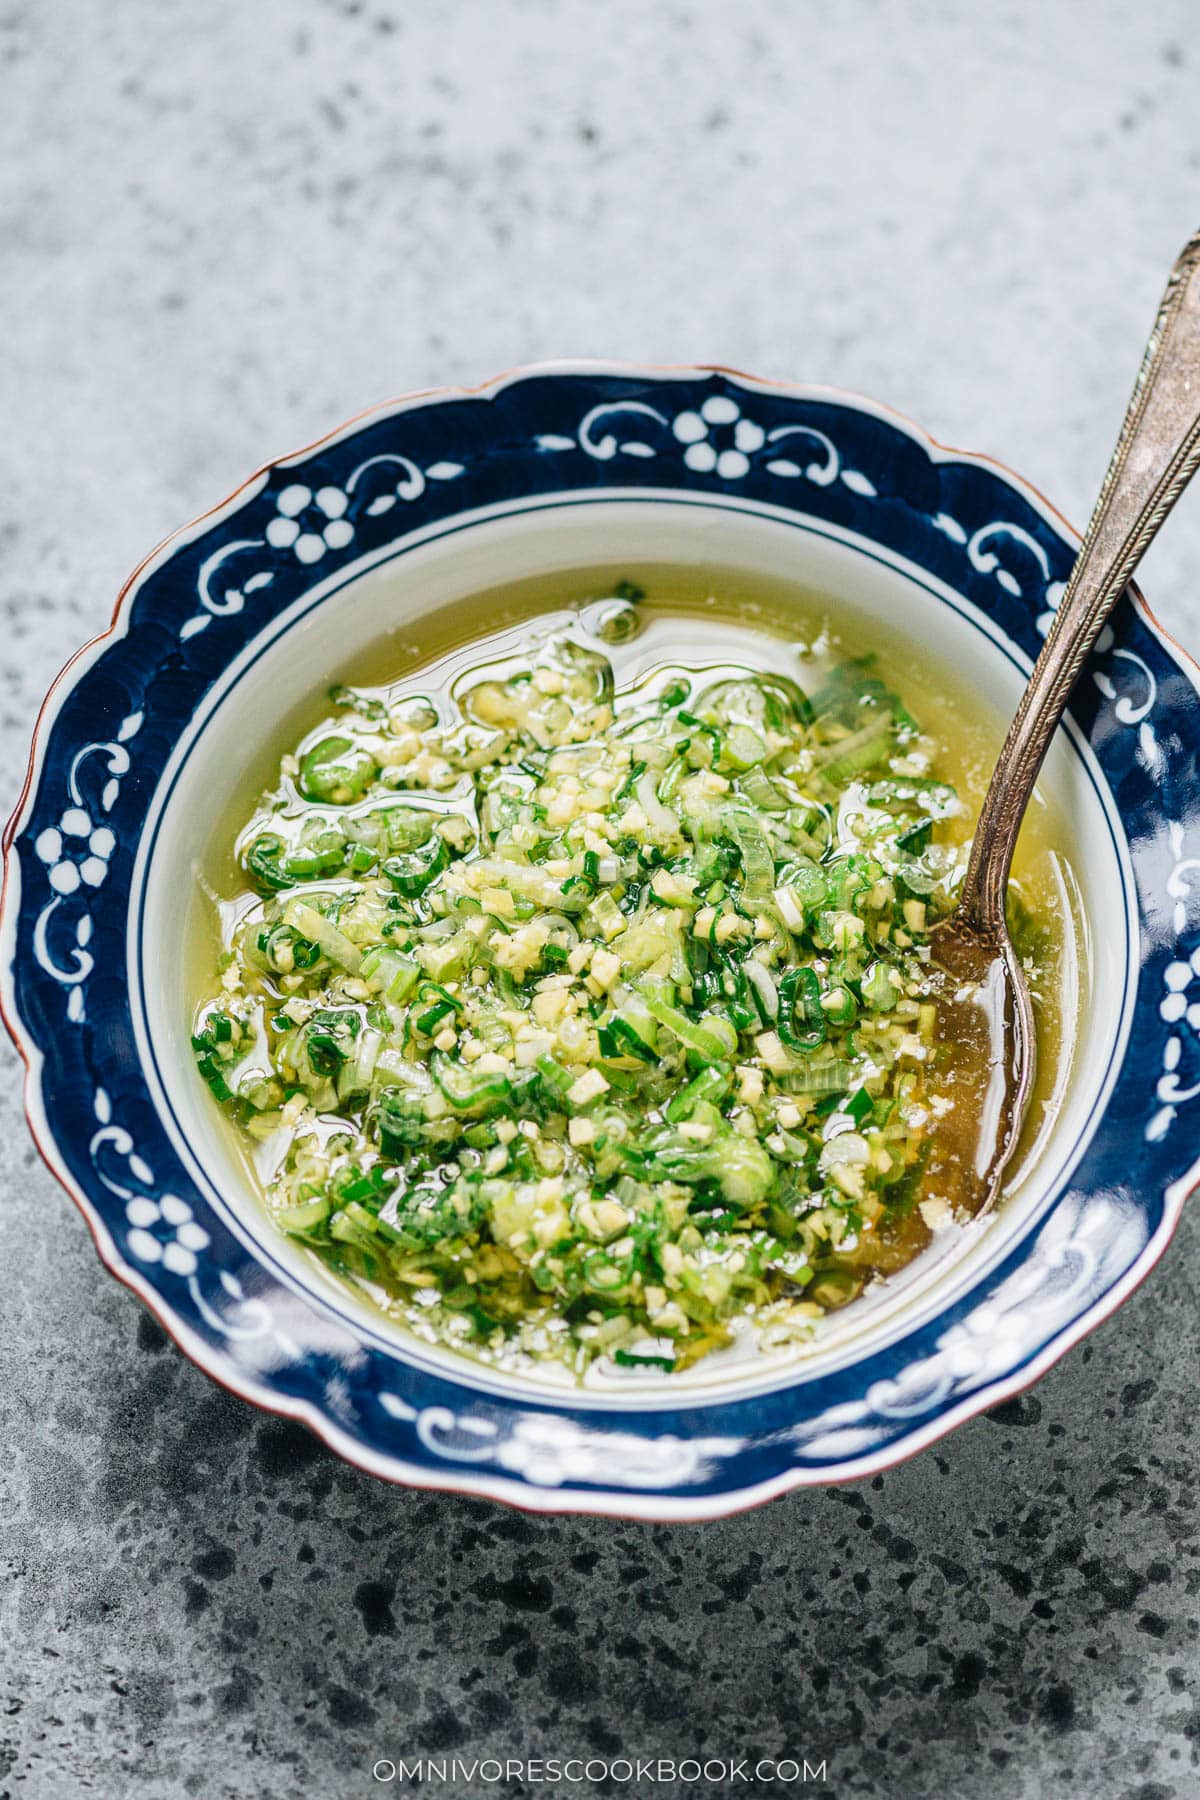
column 237, row 620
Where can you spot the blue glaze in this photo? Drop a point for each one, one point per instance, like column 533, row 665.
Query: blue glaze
column 103, row 745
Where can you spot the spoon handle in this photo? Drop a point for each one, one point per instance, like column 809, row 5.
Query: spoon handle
column 1156, row 455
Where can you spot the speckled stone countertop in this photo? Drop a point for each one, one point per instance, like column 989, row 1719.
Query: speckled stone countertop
column 223, row 228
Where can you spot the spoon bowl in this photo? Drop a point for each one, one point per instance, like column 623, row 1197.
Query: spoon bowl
column 984, row 1011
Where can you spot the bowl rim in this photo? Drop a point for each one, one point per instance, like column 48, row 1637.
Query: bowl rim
column 473, row 1481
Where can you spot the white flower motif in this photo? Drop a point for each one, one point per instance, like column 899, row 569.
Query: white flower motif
column 309, row 524
column 718, row 438
column 178, row 1250
column 59, row 847
column 1177, row 978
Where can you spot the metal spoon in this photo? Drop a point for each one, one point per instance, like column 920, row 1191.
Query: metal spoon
column 983, row 1004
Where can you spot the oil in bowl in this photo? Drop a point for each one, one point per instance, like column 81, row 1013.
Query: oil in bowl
column 568, row 983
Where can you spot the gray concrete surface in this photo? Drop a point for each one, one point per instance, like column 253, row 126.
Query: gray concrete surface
column 224, row 227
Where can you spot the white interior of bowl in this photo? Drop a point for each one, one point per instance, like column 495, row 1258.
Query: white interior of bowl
column 291, row 662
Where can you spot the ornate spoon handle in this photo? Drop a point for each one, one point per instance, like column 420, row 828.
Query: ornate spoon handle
column 1156, row 456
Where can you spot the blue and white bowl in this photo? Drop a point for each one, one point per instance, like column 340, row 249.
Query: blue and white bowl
column 235, row 621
